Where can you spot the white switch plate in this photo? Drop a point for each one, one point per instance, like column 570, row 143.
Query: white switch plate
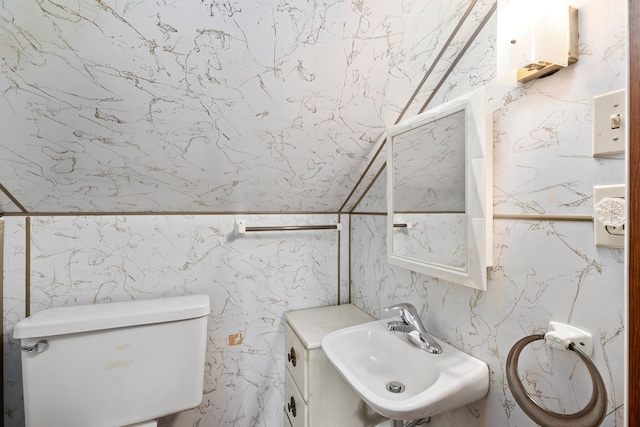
column 602, row 237
column 605, row 139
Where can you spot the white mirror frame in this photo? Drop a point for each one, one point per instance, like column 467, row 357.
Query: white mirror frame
column 478, row 192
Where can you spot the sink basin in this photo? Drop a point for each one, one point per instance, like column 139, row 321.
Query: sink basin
column 399, row 380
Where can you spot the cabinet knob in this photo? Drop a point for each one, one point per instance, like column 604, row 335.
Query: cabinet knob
column 291, row 357
column 291, row 407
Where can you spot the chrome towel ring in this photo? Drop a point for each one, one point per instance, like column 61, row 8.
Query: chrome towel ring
column 591, row 416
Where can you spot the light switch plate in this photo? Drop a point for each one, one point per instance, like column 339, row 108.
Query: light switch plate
column 606, row 109
column 602, row 237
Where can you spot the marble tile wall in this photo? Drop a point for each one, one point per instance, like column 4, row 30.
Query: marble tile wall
column 149, row 89
column 251, row 281
column 144, row 106
column 440, row 238
column 543, row 270
column 205, row 106
column 453, row 40
column 13, row 304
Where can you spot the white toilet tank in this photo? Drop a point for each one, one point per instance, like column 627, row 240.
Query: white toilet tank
column 109, row 365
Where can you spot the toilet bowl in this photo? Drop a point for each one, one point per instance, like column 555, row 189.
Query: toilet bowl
column 119, row 364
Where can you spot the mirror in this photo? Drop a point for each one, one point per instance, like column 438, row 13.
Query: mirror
column 439, row 182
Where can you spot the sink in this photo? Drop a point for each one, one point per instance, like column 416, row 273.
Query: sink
column 399, row 380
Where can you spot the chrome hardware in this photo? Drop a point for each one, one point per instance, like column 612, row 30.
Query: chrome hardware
column 395, row 387
column 423, row 341
column 399, row 326
column 291, row 407
column 38, row 347
column 413, row 328
column 291, row 357
column 409, row 315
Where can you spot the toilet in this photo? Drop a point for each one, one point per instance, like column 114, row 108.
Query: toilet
column 113, row 365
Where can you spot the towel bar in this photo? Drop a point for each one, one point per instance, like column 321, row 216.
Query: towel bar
column 240, row 227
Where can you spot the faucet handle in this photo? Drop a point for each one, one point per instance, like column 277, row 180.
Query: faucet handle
column 417, row 334
column 402, row 306
column 409, row 314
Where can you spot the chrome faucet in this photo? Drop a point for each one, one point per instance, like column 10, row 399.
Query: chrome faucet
column 412, row 327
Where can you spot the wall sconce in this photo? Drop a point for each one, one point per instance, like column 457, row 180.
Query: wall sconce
column 535, row 39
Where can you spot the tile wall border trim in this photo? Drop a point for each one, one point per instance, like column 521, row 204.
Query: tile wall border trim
column 454, row 33
column 435, row 62
column 531, row 217
column 186, row 213
column 433, row 93
column 12, row 198
column 545, row 217
column 460, row 55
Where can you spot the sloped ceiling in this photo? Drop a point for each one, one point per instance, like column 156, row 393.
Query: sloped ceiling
column 209, row 106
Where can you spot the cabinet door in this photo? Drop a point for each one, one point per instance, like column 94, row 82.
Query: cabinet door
column 295, row 407
column 297, row 360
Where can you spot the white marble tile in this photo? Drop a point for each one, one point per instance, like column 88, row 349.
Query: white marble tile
column 424, row 97
column 251, row 281
column 204, row 106
column 436, row 238
column 154, row 256
column 543, row 130
column 211, row 106
column 441, row 58
column 375, row 199
column 542, row 272
column 13, row 305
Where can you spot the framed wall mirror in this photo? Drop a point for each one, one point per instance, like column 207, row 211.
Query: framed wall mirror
column 439, row 192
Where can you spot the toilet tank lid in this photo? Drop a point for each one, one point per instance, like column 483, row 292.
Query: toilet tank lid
column 94, row 317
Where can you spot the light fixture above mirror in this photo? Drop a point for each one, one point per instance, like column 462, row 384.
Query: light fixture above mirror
column 439, row 192
column 535, row 39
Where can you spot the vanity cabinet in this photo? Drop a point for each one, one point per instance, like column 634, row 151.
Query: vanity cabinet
column 316, row 395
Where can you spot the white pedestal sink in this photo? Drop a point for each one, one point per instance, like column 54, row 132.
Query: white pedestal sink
column 401, row 381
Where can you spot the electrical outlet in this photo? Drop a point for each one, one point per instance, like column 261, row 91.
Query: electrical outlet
column 604, row 238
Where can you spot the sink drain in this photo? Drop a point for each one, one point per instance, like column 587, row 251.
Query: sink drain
column 395, row 387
